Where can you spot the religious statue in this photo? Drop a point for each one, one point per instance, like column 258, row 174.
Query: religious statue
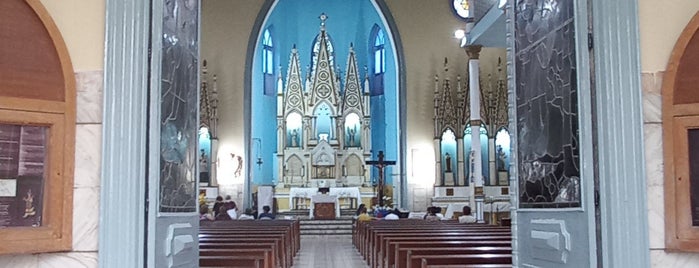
column 351, row 131
column 501, row 159
column 294, row 138
column 447, row 162
column 472, row 158
column 29, row 209
column 203, row 164
column 203, row 167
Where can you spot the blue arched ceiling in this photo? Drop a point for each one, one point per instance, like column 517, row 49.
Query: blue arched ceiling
column 296, row 23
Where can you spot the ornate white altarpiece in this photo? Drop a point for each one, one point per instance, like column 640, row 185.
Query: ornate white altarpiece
column 323, row 129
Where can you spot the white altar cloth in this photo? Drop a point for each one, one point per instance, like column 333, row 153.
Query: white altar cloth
column 340, row 192
column 321, row 198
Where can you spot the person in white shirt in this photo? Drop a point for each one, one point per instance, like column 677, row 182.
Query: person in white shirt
column 467, row 217
column 393, row 215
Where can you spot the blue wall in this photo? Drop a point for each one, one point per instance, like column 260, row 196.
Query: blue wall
column 297, row 23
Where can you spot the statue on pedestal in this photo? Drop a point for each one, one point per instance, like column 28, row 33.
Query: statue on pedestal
column 447, row 160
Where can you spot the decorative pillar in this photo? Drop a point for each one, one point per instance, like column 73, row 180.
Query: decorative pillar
column 461, row 177
column 439, row 180
column 473, row 52
column 213, row 171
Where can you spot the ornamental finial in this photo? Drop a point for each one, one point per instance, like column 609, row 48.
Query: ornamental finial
column 323, row 18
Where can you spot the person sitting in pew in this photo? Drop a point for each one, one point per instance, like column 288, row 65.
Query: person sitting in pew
column 432, row 214
column 467, row 217
column 393, row 215
column 230, row 204
column 364, row 216
column 222, row 214
column 248, row 215
column 204, row 213
column 359, row 209
column 218, row 205
column 266, row 215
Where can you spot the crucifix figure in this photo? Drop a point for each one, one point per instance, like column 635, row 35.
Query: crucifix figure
column 380, row 164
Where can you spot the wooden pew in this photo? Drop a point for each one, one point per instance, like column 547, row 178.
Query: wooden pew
column 232, row 261
column 268, row 259
column 402, row 255
column 265, row 244
column 473, row 259
column 395, row 243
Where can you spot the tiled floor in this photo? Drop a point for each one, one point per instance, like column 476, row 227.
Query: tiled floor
column 328, row 252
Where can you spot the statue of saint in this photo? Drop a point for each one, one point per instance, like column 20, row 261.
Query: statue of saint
column 351, row 131
column 203, row 167
column 203, row 163
column 294, row 138
column 501, row 159
column 447, row 160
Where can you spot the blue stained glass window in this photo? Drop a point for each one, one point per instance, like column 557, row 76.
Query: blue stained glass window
column 379, row 53
column 267, row 53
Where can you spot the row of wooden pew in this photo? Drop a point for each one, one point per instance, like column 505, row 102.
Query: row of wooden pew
column 420, row 243
column 261, row 244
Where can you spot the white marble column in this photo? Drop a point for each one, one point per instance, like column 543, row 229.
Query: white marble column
column 213, row 171
column 473, row 52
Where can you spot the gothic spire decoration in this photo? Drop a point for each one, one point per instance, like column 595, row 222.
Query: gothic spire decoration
column 445, row 111
column 294, row 86
column 353, row 90
column 323, row 82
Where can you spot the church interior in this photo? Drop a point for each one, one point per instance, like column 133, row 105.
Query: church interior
column 567, row 128
column 325, row 100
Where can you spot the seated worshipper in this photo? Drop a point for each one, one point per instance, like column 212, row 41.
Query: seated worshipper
column 393, row 215
column 364, row 216
column 359, row 209
column 222, row 213
column 432, row 214
column 265, row 214
column 217, row 205
column 467, row 217
column 230, row 204
column 204, row 214
column 248, row 215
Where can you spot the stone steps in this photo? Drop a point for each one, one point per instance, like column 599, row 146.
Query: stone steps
column 340, row 227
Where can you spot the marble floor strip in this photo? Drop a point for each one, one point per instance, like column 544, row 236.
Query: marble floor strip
column 328, row 252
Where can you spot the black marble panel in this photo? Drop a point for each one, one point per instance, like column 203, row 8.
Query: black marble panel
column 179, row 106
column 23, row 162
column 547, row 105
column 693, row 144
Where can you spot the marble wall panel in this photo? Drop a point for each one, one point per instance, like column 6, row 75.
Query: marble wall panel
column 89, row 87
column 660, row 258
column 651, row 84
column 70, row 259
column 88, row 155
column 19, row 261
column 85, row 218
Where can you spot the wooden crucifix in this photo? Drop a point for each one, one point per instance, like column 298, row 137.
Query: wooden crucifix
column 380, row 164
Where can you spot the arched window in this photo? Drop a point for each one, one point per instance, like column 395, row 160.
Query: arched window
column 680, row 141
column 378, row 66
column 268, row 62
column 502, row 156
column 324, row 124
column 353, row 131
column 294, row 130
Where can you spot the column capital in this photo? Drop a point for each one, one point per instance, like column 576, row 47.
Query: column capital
column 473, row 51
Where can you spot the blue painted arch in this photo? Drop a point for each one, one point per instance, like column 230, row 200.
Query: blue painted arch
column 396, row 63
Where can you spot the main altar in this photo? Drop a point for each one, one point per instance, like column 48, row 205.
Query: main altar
column 323, row 131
